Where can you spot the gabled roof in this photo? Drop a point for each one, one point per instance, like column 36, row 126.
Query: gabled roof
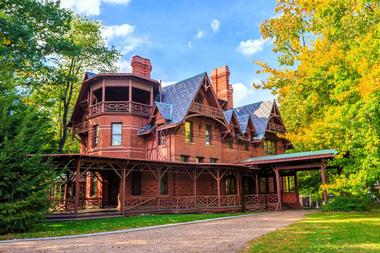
column 243, row 122
column 260, row 113
column 180, row 96
column 165, row 110
column 228, row 115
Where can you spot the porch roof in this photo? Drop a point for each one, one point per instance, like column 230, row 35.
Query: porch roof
column 292, row 157
column 70, row 157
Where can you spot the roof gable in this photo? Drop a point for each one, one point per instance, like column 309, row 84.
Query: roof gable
column 180, row 96
column 165, row 110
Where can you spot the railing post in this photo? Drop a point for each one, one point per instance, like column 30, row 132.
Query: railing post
column 77, row 187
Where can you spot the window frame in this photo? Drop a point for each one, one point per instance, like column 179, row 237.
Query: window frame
column 164, row 184
column 116, row 134
column 185, row 158
column 230, row 185
column 269, row 147
column 208, row 135
column 95, row 138
column 188, row 132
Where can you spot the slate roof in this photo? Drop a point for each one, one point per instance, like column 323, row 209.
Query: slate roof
column 180, row 95
column 166, row 110
column 228, row 115
column 260, row 113
column 243, row 122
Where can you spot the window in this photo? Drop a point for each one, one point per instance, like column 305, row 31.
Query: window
column 213, row 160
column 246, row 146
column 269, row 147
column 230, row 143
column 199, row 159
column 266, row 185
column 96, row 136
column 230, row 185
column 208, row 135
column 93, row 185
column 184, row 158
column 116, row 134
column 248, row 185
column 161, row 138
column 164, row 184
column 188, row 132
column 288, row 184
column 136, row 182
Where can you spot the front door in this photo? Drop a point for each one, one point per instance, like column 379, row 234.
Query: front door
column 110, row 189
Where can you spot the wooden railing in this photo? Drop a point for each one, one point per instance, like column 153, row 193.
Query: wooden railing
column 276, row 127
column 181, row 202
column 268, row 201
column 81, row 127
column 120, row 106
column 206, row 110
column 62, row 205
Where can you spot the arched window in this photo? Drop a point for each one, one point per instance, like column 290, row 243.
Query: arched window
column 230, row 185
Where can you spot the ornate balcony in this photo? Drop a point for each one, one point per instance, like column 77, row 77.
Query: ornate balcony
column 120, row 106
column 81, row 127
column 206, row 110
column 276, row 127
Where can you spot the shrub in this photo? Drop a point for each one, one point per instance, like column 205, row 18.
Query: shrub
column 348, row 203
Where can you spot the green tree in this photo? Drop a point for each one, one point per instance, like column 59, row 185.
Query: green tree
column 83, row 49
column 328, row 82
column 29, row 31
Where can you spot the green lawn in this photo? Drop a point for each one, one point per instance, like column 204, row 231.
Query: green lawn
column 59, row 228
column 325, row 232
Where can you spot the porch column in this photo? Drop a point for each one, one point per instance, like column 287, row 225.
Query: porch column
column 122, row 194
column 278, row 184
column 218, row 185
column 296, row 187
column 65, row 190
column 195, row 188
column 103, row 94
column 238, row 187
column 77, row 187
column 324, row 181
column 130, row 90
column 159, row 188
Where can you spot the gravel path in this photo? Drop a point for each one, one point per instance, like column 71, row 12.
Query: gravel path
column 230, row 235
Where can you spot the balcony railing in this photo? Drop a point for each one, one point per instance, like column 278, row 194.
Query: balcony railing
column 81, row 127
column 120, row 106
column 207, row 110
column 276, row 127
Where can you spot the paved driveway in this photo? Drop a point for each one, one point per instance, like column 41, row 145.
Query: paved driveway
column 229, row 235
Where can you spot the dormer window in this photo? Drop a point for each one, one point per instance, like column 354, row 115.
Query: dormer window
column 269, row 147
column 230, row 143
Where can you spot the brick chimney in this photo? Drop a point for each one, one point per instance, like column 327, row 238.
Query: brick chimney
column 220, row 79
column 141, row 66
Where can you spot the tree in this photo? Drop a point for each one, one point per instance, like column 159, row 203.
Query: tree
column 328, row 82
column 29, row 31
column 83, row 49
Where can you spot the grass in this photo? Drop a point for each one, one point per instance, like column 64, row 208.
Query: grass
column 60, row 228
column 325, row 232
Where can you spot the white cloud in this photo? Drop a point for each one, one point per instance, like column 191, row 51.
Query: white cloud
column 164, row 84
column 123, row 37
column 112, row 31
column 124, row 66
column 89, row 7
column 250, row 47
column 200, row 34
column 242, row 94
column 215, row 25
column 189, row 44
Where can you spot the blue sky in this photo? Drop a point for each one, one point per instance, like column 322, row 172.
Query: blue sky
column 183, row 38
